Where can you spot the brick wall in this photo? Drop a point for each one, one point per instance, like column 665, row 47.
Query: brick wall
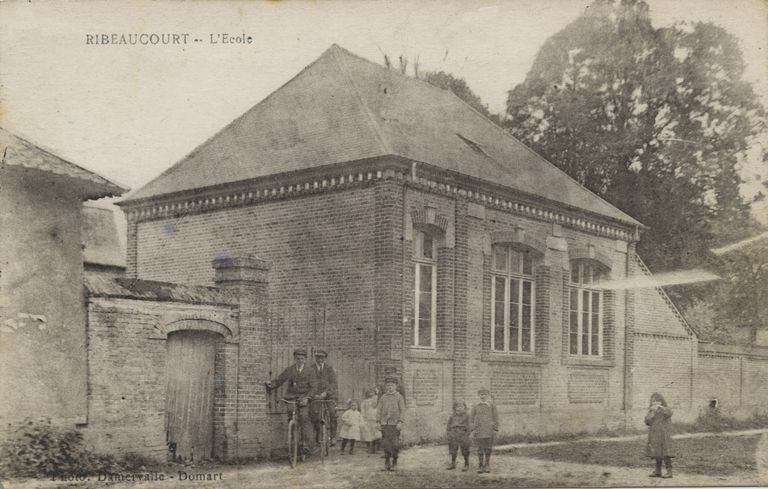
column 735, row 376
column 321, row 251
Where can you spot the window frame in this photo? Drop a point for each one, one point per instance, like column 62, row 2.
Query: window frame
column 580, row 288
column 419, row 262
column 521, row 277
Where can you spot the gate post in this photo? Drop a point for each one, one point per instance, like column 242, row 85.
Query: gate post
column 245, row 406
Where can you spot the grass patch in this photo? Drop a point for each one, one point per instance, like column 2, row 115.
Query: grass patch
column 709, row 456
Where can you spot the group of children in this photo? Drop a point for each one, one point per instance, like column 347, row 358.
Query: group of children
column 379, row 420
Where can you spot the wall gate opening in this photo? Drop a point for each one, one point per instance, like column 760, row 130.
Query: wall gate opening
column 189, row 393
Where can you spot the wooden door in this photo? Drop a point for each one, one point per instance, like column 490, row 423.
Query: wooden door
column 189, row 393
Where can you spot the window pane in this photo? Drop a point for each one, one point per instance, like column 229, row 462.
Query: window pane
column 500, row 289
column 514, row 261
column 425, row 305
column 498, row 339
column 425, row 332
column 527, row 264
column 514, row 311
column 500, row 258
column 427, row 250
column 526, row 292
column 425, row 284
column 574, row 303
column 597, row 275
column 526, row 328
column 575, row 273
column 595, row 344
column 586, row 274
column 574, row 342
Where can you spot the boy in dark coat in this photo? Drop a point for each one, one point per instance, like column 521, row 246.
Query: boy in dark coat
column 458, row 434
column 391, row 411
column 485, row 424
column 659, row 445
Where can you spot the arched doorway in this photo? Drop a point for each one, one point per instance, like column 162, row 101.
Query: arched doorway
column 189, row 393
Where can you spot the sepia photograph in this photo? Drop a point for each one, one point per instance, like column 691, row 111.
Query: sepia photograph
column 383, row 244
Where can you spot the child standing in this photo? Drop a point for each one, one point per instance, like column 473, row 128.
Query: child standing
column 485, row 424
column 369, row 430
column 351, row 421
column 659, row 445
column 458, row 434
column 391, row 411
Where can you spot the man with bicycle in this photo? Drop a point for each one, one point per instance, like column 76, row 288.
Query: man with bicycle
column 300, row 379
column 324, row 387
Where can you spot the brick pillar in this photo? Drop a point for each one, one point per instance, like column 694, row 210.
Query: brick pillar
column 131, row 248
column 245, row 403
column 461, row 302
column 388, row 275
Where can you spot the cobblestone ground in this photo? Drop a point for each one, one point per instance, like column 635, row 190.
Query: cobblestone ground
column 420, row 468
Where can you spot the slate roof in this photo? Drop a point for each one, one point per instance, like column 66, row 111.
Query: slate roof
column 20, row 152
column 344, row 108
column 101, row 242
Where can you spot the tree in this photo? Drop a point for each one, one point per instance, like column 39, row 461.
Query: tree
column 743, row 301
column 446, row 81
column 654, row 120
column 459, row 87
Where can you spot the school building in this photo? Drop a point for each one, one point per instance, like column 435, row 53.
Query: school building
column 383, row 219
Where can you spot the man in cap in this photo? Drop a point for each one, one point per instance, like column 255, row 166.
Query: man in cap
column 299, row 378
column 324, row 386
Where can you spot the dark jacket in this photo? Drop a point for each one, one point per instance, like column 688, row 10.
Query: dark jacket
column 485, row 420
column 324, row 381
column 659, row 422
column 299, row 383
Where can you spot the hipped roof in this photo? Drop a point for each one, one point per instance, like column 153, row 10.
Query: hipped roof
column 19, row 152
column 344, row 108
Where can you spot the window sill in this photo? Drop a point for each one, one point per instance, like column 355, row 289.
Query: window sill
column 587, row 362
column 429, row 354
column 520, row 358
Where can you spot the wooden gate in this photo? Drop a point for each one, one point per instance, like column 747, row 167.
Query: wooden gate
column 189, row 393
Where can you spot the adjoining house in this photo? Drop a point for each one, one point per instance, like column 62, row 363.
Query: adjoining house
column 103, row 253
column 43, row 366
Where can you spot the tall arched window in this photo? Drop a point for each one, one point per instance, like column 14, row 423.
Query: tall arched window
column 585, row 309
column 425, row 289
column 512, row 304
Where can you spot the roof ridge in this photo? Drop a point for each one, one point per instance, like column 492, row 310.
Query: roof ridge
column 374, row 125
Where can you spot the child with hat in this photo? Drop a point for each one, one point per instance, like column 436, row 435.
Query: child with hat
column 391, row 411
column 485, row 424
column 458, row 434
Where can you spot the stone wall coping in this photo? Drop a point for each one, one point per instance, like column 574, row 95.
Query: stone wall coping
column 426, row 354
column 150, row 290
column 755, row 351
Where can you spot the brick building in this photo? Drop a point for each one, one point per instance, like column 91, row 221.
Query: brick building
column 403, row 227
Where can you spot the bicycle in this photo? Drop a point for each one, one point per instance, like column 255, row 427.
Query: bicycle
column 325, row 441
column 296, row 435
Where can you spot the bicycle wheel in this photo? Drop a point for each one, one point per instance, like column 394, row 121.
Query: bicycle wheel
column 293, row 443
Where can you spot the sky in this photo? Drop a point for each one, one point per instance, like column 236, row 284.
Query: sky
column 130, row 112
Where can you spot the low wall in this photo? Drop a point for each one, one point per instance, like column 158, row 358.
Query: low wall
column 735, row 376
